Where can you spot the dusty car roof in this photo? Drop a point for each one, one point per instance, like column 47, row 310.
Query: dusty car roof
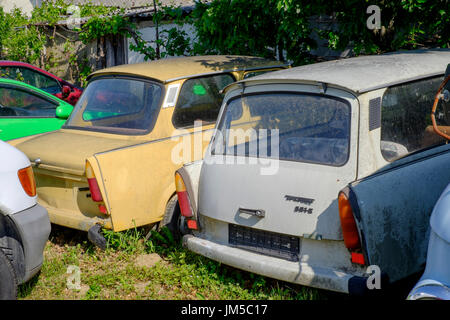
column 167, row 70
column 365, row 73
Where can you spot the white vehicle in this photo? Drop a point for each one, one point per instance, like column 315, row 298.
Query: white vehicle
column 24, row 225
column 266, row 198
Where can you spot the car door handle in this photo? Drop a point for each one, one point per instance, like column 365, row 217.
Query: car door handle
column 254, row 212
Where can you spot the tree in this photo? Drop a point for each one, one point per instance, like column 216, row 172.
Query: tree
column 405, row 24
column 271, row 27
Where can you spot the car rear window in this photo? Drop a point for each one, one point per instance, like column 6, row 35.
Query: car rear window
column 288, row 126
column 405, row 118
column 118, row 105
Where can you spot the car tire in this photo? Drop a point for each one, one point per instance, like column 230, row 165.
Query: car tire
column 173, row 219
column 8, row 279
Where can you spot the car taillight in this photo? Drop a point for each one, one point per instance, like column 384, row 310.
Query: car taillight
column 27, row 181
column 185, row 204
column 183, row 198
column 350, row 229
column 93, row 184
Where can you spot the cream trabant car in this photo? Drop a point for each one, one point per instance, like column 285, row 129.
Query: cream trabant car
column 265, row 196
column 112, row 163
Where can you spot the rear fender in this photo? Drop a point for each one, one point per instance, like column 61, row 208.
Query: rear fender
column 394, row 208
column 100, row 180
column 190, row 173
column 137, row 182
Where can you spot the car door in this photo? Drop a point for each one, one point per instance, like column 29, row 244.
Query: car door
column 280, row 155
column 24, row 112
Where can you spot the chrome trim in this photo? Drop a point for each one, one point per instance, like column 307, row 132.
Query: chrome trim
column 430, row 292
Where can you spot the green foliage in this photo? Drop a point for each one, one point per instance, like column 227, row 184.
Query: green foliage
column 26, row 44
column 265, row 28
column 127, row 241
column 170, row 42
column 270, row 27
column 101, row 26
column 236, row 27
column 50, row 12
column 406, row 24
column 84, row 71
column 282, row 29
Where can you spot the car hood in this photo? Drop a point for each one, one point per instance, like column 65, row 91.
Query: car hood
column 67, row 150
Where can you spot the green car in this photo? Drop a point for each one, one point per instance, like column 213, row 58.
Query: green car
column 26, row 110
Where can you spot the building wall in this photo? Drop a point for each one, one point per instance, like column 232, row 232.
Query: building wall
column 148, row 31
column 58, row 50
column 26, row 5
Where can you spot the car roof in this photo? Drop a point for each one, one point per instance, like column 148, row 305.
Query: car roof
column 366, row 73
column 171, row 69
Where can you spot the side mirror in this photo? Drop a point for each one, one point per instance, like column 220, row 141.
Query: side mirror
column 64, row 111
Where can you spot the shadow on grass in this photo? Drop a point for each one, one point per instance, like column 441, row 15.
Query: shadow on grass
column 63, row 236
column 25, row 289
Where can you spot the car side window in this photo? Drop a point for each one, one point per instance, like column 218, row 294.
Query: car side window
column 20, row 103
column 40, row 81
column 405, row 118
column 200, row 99
column 10, row 73
column 32, row 78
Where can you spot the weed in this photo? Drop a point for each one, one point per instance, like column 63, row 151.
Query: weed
column 128, row 240
column 114, row 274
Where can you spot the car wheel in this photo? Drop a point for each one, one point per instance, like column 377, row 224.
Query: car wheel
column 173, row 219
column 8, row 280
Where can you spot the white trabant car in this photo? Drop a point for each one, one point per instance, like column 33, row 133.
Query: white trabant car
column 24, row 225
column 265, row 197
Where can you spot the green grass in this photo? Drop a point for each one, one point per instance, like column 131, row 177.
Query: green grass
column 116, row 273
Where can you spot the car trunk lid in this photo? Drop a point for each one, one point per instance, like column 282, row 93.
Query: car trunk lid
column 67, row 150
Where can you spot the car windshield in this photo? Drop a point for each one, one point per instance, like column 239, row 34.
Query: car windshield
column 117, row 105
column 289, row 126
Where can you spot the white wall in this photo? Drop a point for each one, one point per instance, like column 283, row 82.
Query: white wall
column 26, row 5
column 149, row 34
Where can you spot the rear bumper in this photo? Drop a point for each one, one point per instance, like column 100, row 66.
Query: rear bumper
column 77, row 220
column 296, row 272
column 429, row 290
column 33, row 226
